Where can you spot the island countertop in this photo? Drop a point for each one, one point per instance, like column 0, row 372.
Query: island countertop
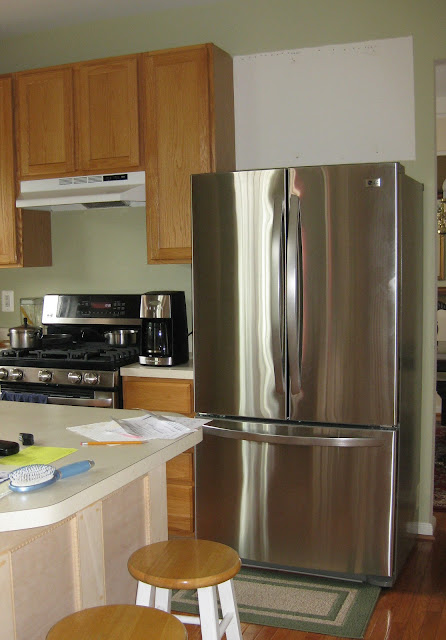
column 65, row 547
column 114, row 466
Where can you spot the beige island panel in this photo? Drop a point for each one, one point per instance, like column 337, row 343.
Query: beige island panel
column 65, row 547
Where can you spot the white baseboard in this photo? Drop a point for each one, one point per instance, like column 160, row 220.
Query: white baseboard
column 422, row 528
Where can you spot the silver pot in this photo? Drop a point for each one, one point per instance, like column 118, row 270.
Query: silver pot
column 25, row 337
column 121, row 337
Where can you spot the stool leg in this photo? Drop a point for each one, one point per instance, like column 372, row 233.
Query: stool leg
column 163, row 599
column 229, row 606
column 207, row 602
column 145, row 594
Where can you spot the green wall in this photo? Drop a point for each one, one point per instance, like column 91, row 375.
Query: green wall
column 81, row 245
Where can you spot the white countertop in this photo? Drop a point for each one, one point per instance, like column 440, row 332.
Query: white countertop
column 180, row 371
column 114, row 466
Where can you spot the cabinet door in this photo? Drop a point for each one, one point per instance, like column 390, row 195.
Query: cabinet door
column 8, row 248
column 178, row 143
column 163, row 394
column 45, row 130
column 107, row 114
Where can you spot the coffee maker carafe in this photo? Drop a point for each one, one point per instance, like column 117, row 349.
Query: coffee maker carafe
column 164, row 340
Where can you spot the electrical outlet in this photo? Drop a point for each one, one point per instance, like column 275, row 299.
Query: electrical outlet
column 7, row 300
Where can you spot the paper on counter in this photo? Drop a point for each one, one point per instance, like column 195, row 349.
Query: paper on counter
column 36, row 455
column 146, row 427
column 151, row 426
column 103, row 432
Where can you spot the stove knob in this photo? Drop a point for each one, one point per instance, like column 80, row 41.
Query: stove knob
column 3, row 374
column 16, row 374
column 75, row 377
column 45, row 376
column 91, row 378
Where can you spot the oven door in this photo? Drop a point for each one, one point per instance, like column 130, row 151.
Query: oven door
column 79, row 397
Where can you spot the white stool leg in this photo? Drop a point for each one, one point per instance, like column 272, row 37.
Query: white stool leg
column 207, row 602
column 229, row 607
column 163, row 599
column 145, row 594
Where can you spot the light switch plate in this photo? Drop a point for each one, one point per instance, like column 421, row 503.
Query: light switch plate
column 7, row 300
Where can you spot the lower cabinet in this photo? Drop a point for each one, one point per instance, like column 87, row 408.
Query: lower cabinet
column 169, row 395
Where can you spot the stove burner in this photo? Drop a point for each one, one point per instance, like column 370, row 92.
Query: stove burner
column 89, row 354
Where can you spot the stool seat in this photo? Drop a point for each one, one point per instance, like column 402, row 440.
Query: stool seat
column 184, row 564
column 118, row 622
column 206, row 566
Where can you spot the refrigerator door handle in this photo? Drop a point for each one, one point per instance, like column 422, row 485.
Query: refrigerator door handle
column 278, row 294
column 294, row 295
column 306, row 441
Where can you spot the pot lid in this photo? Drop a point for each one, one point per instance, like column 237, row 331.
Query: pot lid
column 23, row 328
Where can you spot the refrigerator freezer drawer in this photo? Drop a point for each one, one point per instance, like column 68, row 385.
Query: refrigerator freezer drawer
column 313, row 499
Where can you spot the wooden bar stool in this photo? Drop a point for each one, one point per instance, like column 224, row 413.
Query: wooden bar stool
column 190, row 564
column 118, row 622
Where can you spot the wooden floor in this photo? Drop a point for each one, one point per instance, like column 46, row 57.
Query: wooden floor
column 414, row 609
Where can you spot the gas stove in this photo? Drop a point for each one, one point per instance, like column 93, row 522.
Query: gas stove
column 73, row 363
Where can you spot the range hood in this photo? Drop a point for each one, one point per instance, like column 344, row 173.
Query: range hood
column 84, row 192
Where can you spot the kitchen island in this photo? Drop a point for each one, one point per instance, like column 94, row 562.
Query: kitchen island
column 65, row 547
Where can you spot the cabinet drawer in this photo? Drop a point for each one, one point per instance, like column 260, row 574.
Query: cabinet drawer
column 181, row 468
column 158, row 394
column 180, row 508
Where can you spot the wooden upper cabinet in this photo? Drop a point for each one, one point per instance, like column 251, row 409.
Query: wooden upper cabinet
column 80, row 118
column 189, row 128
column 25, row 236
column 107, row 114
column 45, row 125
column 8, row 247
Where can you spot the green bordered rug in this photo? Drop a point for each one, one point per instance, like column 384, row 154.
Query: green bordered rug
column 292, row 601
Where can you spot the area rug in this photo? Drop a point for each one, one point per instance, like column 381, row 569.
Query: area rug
column 291, row 601
column 440, row 468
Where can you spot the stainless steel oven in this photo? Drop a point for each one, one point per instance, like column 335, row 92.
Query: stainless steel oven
column 73, row 362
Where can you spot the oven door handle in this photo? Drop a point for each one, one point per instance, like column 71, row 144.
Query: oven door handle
column 81, row 402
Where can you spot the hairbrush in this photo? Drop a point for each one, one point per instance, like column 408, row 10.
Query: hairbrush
column 37, row 476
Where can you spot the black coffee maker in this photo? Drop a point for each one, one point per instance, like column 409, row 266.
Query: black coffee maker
column 163, row 328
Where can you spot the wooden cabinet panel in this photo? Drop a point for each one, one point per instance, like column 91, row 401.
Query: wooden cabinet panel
column 180, row 509
column 178, row 144
column 158, row 394
column 25, row 236
column 107, row 114
column 169, row 395
column 181, row 468
column 79, row 118
column 45, row 133
column 8, row 247
column 183, row 137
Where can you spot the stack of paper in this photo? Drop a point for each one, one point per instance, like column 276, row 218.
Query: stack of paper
column 145, row 427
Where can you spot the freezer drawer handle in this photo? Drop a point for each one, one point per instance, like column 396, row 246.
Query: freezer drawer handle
column 302, row 441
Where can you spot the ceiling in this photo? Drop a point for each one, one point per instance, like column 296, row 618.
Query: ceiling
column 28, row 16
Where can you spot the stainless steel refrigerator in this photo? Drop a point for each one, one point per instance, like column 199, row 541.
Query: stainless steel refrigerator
column 307, row 339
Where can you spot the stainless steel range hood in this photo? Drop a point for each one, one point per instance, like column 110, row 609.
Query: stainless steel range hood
column 84, row 192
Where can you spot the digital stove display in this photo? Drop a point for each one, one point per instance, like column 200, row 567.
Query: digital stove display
column 73, row 308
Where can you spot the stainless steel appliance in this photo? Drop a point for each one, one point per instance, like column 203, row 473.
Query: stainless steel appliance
column 307, row 342
column 164, row 339
column 73, row 362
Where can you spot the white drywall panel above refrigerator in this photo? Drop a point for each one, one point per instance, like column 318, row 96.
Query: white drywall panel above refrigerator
column 326, row 105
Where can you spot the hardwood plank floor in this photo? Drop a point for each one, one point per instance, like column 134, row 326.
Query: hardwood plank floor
column 414, row 609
